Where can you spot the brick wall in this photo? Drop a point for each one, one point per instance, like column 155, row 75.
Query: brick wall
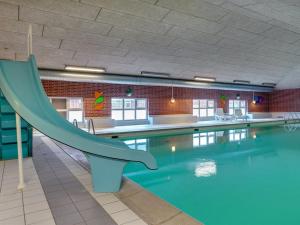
column 285, row 100
column 158, row 97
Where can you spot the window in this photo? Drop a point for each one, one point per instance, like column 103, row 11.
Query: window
column 203, row 107
column 237, row 104
column 128, row 109
column 69, row 108
column 203, row 139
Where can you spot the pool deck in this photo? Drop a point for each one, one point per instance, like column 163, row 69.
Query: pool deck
column 123, row 130
column 59, row 192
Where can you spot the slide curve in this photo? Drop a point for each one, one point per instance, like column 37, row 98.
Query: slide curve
column 21, row 85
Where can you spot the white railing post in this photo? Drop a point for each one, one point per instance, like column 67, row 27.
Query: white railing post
column 18, row 122
column 20, row 153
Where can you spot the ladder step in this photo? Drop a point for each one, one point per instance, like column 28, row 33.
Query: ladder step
column 10, row 151
column 10, row 136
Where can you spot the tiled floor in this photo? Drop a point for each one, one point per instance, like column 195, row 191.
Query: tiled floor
column 28, row 207
column 112, row 206
column 59, row 191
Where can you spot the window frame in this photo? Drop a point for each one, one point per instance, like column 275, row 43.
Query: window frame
column 68, row 109
column 198, row 107
column 135, row 108
column 239, row 107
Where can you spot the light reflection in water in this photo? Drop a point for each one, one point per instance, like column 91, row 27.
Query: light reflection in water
column 206, row 169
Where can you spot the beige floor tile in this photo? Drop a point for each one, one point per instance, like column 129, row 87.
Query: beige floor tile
column 114, row 207
column 39, row 216
column 13, row 221
column 11, row 213
column 124, row 216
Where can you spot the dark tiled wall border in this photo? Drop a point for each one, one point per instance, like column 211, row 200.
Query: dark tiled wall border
column 159, row 97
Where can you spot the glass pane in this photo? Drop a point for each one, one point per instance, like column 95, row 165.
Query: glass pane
column 210, row 103
column 210, row 112
column 230, row 103
column 243, row 111
column 231, row 111
column 59, row 103
column 141, row 103
column 117, row 114
column 203, row 103
column 236, row 103
column 78, row 115
column 243, row 103
column 195, row 103
column 195, row 112
column 141, row 114
column 116, row 103
column 196, row 141
column 75, row 103
column 203, row 113
column 129, row 115
column 129, row 103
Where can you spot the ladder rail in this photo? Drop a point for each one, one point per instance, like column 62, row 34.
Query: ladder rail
column 75, row 123
column 91, row 125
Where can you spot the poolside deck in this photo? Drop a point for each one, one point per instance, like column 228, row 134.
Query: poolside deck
column 59, row 192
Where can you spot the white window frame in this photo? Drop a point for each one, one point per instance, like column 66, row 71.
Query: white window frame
column 123, row 109
column 68, row 109
column 236, row 104
column 197, row 107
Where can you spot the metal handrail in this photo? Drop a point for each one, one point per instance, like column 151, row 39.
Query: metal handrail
column 91, row 122
column 75, row 123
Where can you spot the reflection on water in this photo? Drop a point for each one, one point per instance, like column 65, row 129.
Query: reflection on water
column 206, row 169
column 199, row 139
column 137, row 144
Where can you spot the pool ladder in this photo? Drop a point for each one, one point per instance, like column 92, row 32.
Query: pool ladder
column 91, row 126
column 75, row 123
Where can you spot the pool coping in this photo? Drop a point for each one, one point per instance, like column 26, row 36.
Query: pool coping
column 134, row 196
column 184, row 128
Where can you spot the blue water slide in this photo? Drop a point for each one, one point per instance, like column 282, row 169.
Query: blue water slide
column 21, row 86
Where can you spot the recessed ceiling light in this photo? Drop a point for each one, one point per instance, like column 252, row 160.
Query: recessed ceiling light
column 208, row 79
column 242, row 81
column 269, row 84
column 85, row 69
column 155, row 74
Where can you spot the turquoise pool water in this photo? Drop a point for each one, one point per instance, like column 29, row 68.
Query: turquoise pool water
column 231, row 177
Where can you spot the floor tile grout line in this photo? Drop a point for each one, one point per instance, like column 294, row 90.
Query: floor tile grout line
column 24, row 215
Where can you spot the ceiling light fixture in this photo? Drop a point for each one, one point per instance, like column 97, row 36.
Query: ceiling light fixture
column 253, row 99
column 85, row 69
column 241, row 81
column 155, row 74
column 269, row 84
column 172, row 98
column 207, row 79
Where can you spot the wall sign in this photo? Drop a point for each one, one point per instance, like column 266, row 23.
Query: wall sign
column 99, row 101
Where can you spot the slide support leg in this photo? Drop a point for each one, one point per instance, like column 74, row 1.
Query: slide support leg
column 106, row 173
column 20, row 153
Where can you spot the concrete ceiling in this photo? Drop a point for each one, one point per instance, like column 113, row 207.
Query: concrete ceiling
column 255, row 40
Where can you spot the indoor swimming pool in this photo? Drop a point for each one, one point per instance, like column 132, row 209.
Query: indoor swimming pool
column 227, row 177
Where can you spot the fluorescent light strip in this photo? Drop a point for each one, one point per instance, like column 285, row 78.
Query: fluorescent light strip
column 154, row 74
column 241, row 81
column 208, row 79
column 85, row 69
column 269, row 84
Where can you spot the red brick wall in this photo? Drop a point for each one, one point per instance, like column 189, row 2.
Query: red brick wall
column 158, row 97
column 285, row 100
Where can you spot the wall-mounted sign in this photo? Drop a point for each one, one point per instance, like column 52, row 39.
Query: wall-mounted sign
column 99, row 101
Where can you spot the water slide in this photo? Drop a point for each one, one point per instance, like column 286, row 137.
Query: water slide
column 21, row 86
